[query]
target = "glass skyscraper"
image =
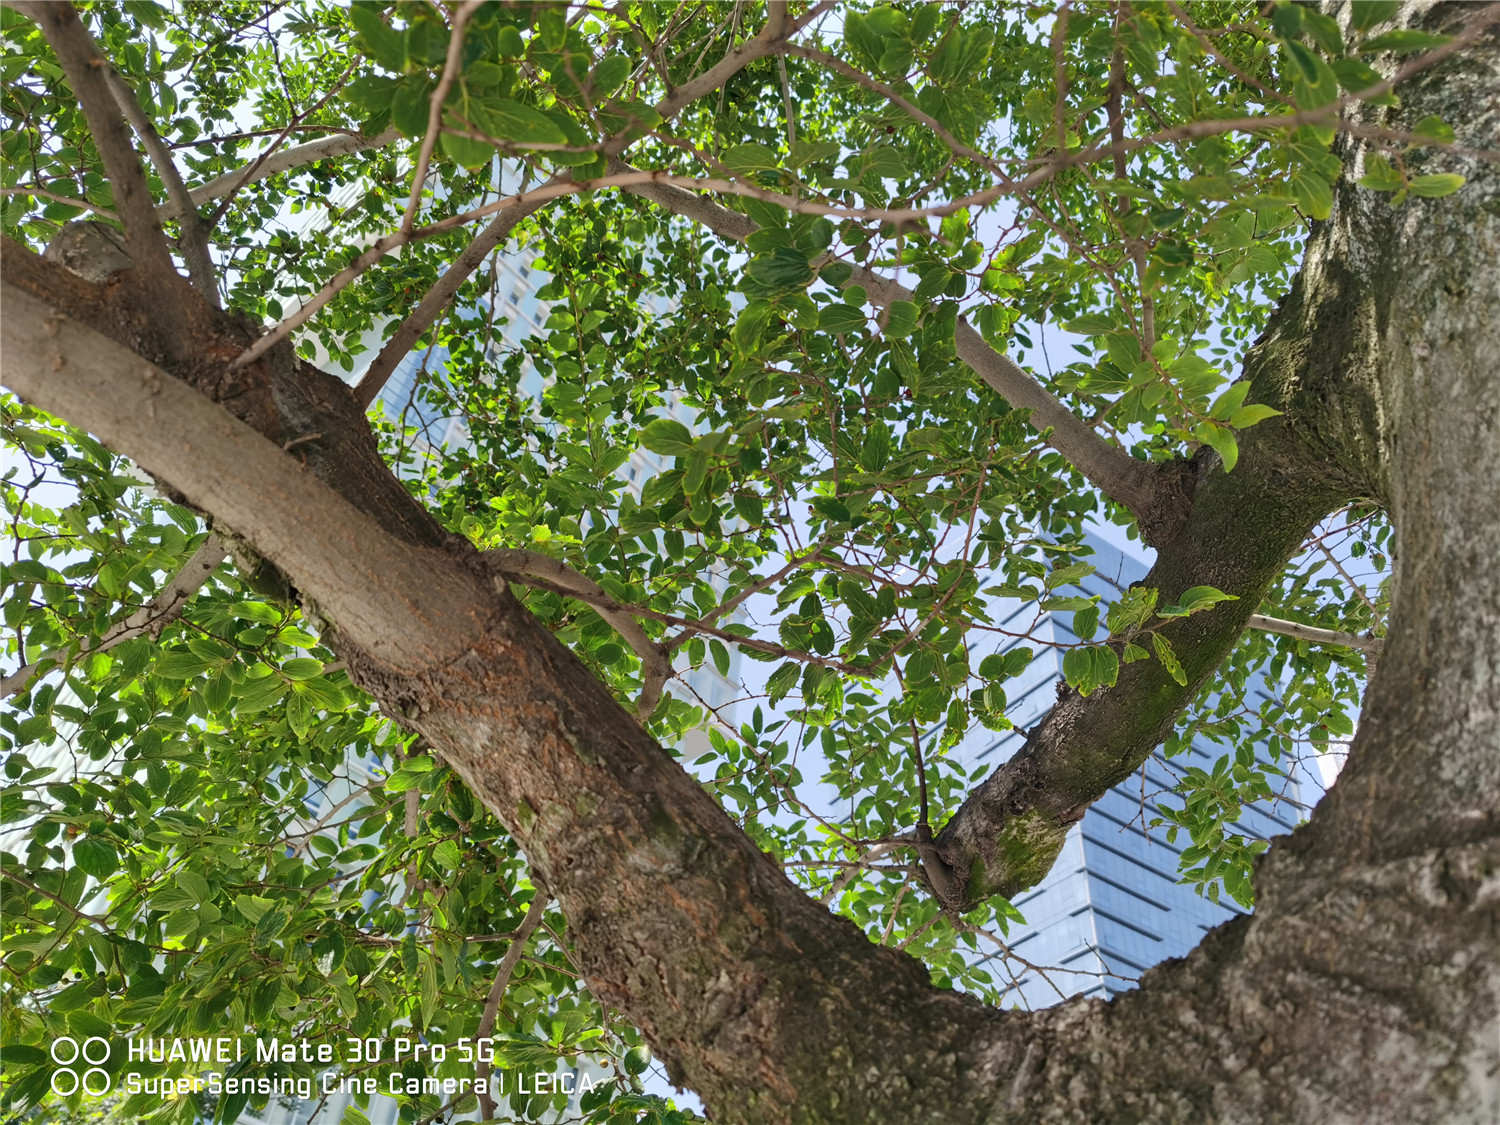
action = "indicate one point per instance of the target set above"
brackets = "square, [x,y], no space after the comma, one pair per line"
[1112,905]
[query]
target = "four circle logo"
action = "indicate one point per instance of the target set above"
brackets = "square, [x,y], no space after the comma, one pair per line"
[93,1051]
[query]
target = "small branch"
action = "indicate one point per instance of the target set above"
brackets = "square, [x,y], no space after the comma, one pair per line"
[729,605]
[1135,247]
[437,298]
[1116,474]
[43,193]
[491,1013]
[452,65]
[1059,48]
[194,240]
[149,620]
[63,903]
[786,101]
[300,156]
[305,838]
[518,565]
[335,285]
[854,869]
[1312,633]
[249,174]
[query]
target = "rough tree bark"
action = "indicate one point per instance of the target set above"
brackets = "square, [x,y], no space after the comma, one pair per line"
[1365,988]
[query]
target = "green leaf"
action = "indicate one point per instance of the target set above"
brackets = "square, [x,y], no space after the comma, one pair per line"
[1313,193]
[302,668]
[508,120]
[512,46]
[782,681]
[1091,325]
[217,692]
[1436,185]
[405,778]
[95,856]
[179,665]
[839,317]
[1323,30]
[1090,668]
[610,73]
[466,151]
[1164,653]
[252,907]
[1247,416]
[667,436]
[1365,14]
[750,509]
[783,268]
[1404,40]
[1380,175]
[901,319]
[749,157]
[1434,127]
[193,885]
[1194,599]
[387,46]
[1133,609]
[875,452]
[1355,75]
[1221,440]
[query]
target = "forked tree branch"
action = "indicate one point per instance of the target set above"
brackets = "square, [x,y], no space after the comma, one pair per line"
[521,566]
[85,70]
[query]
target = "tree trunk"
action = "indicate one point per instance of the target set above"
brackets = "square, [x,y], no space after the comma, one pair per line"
[1365,988]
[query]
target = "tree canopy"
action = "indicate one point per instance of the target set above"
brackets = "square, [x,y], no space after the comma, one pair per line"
[892,304]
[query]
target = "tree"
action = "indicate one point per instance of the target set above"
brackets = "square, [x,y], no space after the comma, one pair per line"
[855,219]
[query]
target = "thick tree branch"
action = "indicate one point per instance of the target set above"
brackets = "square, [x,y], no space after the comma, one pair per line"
[194,240]
[149,620]
[177,433]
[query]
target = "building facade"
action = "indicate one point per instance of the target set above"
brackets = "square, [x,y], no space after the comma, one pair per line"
[1112,905]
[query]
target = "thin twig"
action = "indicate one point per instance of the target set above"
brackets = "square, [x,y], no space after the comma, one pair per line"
[149,620]
[452,64]
[503,972]
[656,669]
